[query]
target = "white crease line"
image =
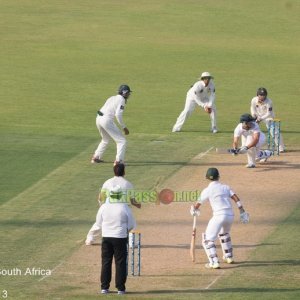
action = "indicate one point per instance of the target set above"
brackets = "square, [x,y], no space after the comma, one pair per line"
[200,155]
[214,281]
[51,271]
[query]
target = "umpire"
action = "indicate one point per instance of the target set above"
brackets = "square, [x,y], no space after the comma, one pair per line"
[115,220]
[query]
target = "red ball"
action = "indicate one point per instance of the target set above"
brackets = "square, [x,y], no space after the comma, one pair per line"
[166,196]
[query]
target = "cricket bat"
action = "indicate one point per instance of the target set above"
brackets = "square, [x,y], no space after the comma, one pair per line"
[193,241]
[226,151]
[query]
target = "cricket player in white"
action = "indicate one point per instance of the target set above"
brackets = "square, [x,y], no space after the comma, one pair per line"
[118,186]
[219,196]
[202,93]
[113,108]
[262,110]
[252,140]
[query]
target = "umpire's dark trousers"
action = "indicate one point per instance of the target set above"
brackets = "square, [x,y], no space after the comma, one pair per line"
[114,248]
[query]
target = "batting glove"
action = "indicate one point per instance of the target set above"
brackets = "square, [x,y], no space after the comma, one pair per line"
[194,211]
[243,150]
[244,217]
[233,151]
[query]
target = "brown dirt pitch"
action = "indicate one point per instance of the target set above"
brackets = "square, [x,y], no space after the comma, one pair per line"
[268,192]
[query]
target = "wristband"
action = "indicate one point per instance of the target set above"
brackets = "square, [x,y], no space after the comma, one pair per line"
[239,204]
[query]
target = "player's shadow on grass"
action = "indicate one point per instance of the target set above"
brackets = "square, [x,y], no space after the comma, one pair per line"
[43,223]
[187,246]
[194,162]
[205,131]
[277,165]
[271,263]
[224,290]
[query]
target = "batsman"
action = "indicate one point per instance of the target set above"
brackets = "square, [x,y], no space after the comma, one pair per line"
[219,196]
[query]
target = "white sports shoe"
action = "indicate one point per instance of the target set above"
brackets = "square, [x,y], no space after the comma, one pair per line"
[214,130]
[250,166]
[104,291]
[215,265]
[175,130]
[116,162]
[263,160]
[96,160]
[90,242]
[228,260]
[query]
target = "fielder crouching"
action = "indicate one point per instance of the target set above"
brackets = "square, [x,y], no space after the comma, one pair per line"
[219,225]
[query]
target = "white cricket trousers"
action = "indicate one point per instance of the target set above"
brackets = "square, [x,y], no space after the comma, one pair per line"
[252,152]
[218,224]
[189,107]
[109,130]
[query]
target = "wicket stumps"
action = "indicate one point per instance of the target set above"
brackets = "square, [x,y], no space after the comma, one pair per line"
[274,132]
[133,259]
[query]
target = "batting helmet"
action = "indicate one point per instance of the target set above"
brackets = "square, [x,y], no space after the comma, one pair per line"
[124,90]
[212,174]
[206,75]
[246,118]
[262,92]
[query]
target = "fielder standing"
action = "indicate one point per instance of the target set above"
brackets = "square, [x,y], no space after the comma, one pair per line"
[252,139]
[262,110]
[219,225]
[202,93]
[113,108]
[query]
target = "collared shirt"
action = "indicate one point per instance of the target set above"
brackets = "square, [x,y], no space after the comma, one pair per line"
[114,107]
[219,197]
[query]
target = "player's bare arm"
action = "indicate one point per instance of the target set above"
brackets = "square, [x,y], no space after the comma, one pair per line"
[235,142]
[238,202]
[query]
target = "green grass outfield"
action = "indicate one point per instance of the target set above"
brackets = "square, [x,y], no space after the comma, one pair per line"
[60,60]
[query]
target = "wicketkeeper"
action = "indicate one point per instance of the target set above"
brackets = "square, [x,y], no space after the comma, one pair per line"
[263,111]
[219,225]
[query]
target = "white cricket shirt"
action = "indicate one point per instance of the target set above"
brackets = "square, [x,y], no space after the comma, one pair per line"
[203,95]
[219,197]
[114,107]
[239,131]
[262,110]
[120,183]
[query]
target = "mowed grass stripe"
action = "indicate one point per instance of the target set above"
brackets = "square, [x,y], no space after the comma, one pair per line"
[45,223]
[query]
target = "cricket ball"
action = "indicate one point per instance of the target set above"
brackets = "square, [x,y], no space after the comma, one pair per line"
[166,196]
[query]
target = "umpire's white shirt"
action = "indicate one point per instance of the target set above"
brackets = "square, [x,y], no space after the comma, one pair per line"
[219,197]
[115,220]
